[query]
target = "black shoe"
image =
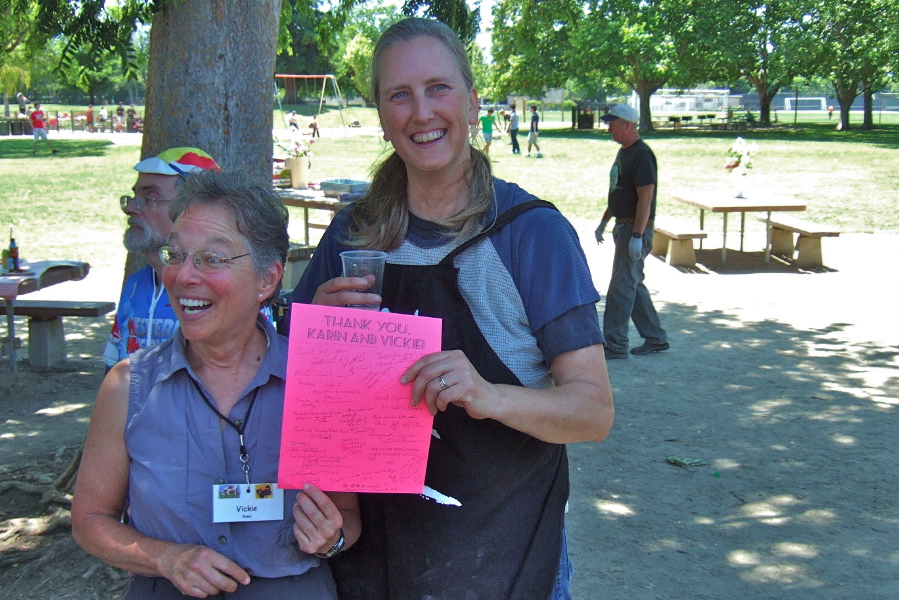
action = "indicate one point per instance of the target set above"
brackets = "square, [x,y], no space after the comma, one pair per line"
[612,355]
[649,348]
[55,151]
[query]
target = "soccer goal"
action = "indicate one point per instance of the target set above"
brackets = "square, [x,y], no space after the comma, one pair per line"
[815,103]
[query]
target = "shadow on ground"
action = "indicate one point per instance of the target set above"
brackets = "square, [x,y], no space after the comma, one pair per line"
[744,263]
[800,427]
[67,147]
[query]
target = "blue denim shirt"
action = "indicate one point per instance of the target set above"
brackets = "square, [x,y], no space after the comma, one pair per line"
[179,450]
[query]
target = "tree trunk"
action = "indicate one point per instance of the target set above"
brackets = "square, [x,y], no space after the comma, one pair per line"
[644,93]
[209,81]
[846,92]
[868,95]
[765,98]
[209,84]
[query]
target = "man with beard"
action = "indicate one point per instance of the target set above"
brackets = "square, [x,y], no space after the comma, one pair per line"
[144,316]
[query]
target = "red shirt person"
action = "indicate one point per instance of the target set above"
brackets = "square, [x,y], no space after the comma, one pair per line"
[37,124]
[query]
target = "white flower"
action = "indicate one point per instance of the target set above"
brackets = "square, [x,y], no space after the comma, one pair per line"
[292,148]
[740,155]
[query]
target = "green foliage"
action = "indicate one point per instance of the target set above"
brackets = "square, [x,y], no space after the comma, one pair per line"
[856,46]
[482,71]
[299,46]
[357,59]
[13,79]
[455,13]
[529,42]
[768,43]
[354,43]
[90,23]
[17,27]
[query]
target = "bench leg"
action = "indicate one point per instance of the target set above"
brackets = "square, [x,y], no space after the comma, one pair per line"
[809,252]
[681,253]
[659,243]
[782,242]
[46,342]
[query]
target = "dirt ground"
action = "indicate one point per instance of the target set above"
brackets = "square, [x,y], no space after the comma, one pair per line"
[786,383]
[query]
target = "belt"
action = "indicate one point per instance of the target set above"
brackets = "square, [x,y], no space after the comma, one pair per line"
[619,220]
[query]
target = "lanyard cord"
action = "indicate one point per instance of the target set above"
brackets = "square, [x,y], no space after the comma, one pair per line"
[244,458]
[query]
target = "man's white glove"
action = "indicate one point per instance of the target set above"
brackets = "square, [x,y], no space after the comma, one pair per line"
[600,230]
[635,249]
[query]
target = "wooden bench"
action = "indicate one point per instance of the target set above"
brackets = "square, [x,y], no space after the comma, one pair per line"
[675,241]
[46,336]
[808,243]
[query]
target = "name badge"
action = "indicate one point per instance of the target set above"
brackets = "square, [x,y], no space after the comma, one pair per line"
[232,502]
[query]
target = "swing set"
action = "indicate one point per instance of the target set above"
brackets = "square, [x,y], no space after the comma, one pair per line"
[290,88]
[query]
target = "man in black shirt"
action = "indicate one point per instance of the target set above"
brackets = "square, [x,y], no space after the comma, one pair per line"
[632,203]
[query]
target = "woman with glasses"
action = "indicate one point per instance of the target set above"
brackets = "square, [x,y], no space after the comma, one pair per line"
[185,436]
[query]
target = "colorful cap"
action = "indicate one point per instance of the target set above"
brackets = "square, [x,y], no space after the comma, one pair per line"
[177,161]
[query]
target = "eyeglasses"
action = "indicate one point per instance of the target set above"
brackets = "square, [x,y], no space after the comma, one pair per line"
[206,260]
[141,201]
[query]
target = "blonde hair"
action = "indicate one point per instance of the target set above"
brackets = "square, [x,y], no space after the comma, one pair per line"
[380,219]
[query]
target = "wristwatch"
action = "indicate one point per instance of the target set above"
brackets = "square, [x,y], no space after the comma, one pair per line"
[337,547]
[636,235]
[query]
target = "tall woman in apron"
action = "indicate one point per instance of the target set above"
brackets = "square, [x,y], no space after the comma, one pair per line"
[521,372]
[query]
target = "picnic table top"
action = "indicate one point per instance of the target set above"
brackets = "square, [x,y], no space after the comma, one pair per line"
[720,202]
[41,274]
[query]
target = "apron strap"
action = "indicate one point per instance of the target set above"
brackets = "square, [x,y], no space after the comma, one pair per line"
[500,222]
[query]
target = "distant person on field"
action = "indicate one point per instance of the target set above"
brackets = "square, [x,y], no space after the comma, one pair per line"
[145,316]
[830,111]
[488,121]
[513,131]
[534,133]
[632,202]
[23,103]
[292,120]
[37,124]
[313,125]
[131,118]
[89,118]
[104,116]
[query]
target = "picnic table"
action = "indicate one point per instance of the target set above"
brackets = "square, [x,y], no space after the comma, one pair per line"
[310,200]
[35,276]
[719,202]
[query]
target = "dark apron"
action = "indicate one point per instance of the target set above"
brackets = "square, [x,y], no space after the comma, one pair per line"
[504,542]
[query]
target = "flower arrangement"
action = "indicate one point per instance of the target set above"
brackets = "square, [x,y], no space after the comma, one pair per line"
[740,154]
[292,148]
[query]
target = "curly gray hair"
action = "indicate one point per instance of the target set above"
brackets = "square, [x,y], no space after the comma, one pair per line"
[261,216]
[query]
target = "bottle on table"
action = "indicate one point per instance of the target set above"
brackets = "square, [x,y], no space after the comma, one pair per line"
[13,261]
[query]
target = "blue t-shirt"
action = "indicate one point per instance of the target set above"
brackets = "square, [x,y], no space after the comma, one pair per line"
[144,317]
[528,285]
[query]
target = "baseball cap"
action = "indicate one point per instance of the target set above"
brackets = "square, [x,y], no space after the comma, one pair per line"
[622,111]
[177,161]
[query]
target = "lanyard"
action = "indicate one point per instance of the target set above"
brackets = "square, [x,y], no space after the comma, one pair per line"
[236,425]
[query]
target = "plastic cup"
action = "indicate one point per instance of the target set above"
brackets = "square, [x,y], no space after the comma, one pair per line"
[359,263]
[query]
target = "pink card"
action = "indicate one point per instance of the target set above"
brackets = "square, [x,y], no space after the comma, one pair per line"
[348,422]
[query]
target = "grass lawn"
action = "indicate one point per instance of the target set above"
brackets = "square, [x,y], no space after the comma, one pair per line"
[66,205]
